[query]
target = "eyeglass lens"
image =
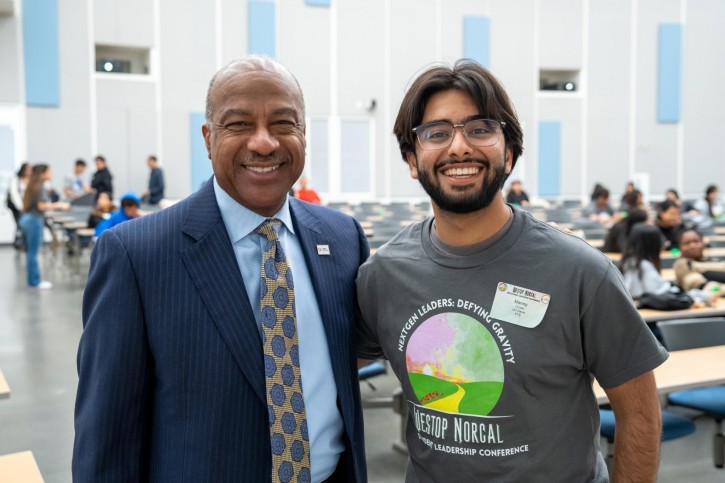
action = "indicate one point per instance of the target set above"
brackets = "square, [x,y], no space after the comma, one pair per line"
[438,135]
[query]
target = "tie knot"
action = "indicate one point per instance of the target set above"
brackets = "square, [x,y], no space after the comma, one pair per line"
[269,228]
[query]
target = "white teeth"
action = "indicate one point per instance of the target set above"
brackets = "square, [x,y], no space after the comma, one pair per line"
[470,171]
[262,169]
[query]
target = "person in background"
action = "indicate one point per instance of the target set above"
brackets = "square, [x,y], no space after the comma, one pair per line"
[75,186]
[306,193]
[711,205]
[641,266]
[632,201]
[696,271]
[616,239]
[599,208]
[516,195]
[641,262]
[16,191]
[102,211]
[155,192]
[102,181]
[685,206]
[130,204]
[35,203]
[669,223]
[625,201]
[483,291]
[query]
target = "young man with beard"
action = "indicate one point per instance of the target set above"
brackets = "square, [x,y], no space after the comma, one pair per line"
[496,323]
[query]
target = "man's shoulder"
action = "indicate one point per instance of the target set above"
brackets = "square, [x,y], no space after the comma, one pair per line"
[548,241]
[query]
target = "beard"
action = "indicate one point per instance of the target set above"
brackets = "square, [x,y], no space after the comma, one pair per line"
[466,200]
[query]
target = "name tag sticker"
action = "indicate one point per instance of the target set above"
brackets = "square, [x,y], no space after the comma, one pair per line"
[519,306]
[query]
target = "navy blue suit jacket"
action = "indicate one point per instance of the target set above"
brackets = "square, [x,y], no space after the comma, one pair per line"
[171,374]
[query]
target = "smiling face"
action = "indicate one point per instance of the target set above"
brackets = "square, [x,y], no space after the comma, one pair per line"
[256,136]
[460,178]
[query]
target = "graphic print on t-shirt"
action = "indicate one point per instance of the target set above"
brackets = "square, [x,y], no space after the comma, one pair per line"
[454,365]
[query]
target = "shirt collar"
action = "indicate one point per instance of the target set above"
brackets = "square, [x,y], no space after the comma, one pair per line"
[240,220]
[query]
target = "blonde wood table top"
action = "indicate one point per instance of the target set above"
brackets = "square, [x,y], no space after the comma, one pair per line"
[686,369]
[716,252]
[4,388]
[650,315]
[19,468]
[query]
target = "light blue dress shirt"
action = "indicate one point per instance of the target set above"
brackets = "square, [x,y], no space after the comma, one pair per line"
[324,421]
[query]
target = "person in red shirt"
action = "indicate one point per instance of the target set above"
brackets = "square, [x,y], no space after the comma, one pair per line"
[305,193]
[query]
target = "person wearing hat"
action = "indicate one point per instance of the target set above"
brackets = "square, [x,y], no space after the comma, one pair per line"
[130,203]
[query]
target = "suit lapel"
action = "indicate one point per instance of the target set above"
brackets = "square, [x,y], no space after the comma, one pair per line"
[213,267]
[324,272]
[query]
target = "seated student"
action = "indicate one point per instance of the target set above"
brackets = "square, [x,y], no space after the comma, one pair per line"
[685,206]
[599,208]
[616,239]
[516,195]
[102,211]
[641,267]
[633,200]
[670,223]
[693,269]
[641,264]
[711,205]
[130,203]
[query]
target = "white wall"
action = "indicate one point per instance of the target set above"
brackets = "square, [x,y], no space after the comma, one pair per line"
[359,50]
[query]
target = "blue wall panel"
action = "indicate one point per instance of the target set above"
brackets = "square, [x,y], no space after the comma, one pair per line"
[475,38]
[40,45]
[669,72]
[549,158]
[262,31]
[201,168]
[318,3]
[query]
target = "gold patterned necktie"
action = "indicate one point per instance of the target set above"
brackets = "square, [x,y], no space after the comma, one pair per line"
[287,418]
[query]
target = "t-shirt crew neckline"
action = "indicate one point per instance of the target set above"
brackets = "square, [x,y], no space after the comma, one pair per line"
[473,255]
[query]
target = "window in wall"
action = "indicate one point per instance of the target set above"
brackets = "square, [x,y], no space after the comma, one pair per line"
[475,38]
[319,162]
[559,80]
[355,162]
[261,25]
[122,60]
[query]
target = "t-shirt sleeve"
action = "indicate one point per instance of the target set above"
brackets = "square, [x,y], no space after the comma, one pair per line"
[368,344]
[618,345]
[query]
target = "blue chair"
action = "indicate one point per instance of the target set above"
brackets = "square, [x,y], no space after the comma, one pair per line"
[673,426]
[373,369]
[691,334]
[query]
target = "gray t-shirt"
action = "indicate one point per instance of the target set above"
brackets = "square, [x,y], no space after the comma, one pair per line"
[496,350]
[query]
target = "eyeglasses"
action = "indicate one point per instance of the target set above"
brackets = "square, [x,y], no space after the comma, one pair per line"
[439,134]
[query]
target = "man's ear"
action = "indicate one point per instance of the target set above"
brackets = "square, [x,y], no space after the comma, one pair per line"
[509,160]
[412,164]
[206,132]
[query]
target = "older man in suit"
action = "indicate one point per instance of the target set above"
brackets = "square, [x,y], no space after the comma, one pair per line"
[218,341]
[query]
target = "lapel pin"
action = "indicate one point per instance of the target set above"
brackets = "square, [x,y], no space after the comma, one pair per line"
[323,249]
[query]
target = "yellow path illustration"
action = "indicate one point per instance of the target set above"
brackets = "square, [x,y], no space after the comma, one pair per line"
[449,403]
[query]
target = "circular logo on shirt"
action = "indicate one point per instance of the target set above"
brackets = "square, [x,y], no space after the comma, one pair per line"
[454,365]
